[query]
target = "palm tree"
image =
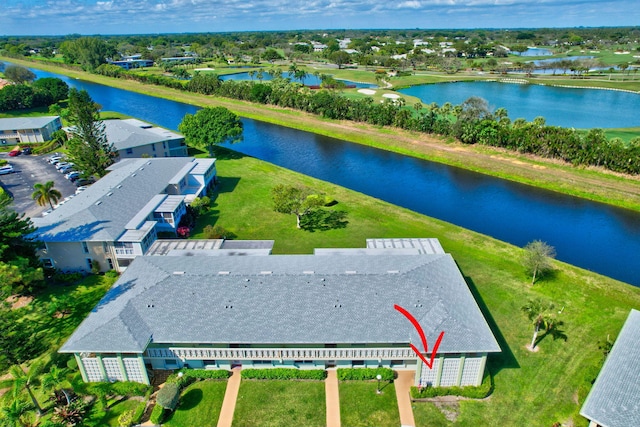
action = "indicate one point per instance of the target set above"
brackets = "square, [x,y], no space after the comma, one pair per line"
[23,380]
[539,313]
[46,193]
[12,414]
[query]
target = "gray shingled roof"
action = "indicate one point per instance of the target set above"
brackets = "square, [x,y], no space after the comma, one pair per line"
[20,123]
[102,211]
[614,399]
[294,299]
[132,133]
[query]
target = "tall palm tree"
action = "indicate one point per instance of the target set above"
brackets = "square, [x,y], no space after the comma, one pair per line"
[12,413]
[46,193]
[20,380]
[539,313]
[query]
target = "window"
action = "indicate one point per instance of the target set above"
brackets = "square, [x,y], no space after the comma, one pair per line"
[105,247]
[85,248]
[110,262]
[129,150]
[89,261]
[47,263]
[153,147]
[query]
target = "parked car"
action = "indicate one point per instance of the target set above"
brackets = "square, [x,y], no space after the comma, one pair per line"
[60,165]
[6,169]
[26,151]
[54,156]
[14,152]
[83,182]
[67,168]
[56,160]
[72,176]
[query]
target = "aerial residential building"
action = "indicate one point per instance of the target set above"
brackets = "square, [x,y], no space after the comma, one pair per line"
[135,138]
[218,309]
[121,215]
[20,130]
[614,399]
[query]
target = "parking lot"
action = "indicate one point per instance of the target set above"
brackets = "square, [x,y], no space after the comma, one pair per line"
[29,170]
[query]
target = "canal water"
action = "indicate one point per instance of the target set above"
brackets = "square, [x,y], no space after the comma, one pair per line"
[560,106]
[594,236]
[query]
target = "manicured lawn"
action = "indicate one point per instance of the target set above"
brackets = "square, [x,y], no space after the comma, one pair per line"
[111,418]
[426,414]
[280,403]
[200,405]
[361,406]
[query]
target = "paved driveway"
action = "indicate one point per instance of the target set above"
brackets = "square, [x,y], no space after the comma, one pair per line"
[30,170]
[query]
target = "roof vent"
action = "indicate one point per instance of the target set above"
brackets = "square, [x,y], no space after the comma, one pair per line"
[307,272]
[119,186]
[178,273]
[109,193]
[393,271]
[133,174]
[350,272]
[224,273]
[266,272]
[149,162]
[99,202]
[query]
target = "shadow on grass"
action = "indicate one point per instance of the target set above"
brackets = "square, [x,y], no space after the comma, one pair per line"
[226,184]
[323,220]
[190,399]
[499,361]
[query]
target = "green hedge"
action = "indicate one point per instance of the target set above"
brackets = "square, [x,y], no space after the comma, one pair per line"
[473,392]
[168,396]
[129,388]
[158,415]
[284,374]
[191,375]
[361,374]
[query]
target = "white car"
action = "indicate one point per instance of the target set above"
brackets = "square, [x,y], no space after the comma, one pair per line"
[4,170]
[55,159]
[60,165]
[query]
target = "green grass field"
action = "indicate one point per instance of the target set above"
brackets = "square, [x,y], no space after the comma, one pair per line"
[279,403]
[361,406]
[200,405]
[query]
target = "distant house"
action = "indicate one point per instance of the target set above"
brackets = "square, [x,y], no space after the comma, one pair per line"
[614,399]
[218,309]
[119,217]
[129,63]
[135,138]
[20,130]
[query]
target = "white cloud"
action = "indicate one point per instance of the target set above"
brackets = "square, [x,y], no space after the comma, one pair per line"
[139,16]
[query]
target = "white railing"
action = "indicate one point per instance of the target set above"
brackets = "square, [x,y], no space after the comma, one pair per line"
[282,353]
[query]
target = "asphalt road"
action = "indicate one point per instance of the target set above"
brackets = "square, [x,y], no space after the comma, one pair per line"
[30,170]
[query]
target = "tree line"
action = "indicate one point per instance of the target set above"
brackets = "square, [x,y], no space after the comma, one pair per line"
[26,93]
[471,122]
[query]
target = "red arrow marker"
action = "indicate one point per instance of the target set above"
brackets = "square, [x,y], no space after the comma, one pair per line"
[416,325]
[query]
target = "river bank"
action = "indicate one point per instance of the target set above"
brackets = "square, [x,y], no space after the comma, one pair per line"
[589,183]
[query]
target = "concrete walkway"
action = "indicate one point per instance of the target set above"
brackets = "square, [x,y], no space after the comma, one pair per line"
[230,397]
[333,398]
[403,386]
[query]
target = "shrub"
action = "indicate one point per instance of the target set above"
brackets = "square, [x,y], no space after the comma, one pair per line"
[200,205]
[95,266]
[284,374]
[126,419]
[67,278]
[158,414]
[168,396]
[363,374]
[215,232]
[129,388]
[112,274]
[472,392]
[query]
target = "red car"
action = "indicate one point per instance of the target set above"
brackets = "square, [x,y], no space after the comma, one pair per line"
[15,152]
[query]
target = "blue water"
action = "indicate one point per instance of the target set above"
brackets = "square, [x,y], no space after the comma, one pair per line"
[535,51]
[587,234]
[560,106]
[310,80]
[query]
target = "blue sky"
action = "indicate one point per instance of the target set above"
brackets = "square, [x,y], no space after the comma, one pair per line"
[34,17]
